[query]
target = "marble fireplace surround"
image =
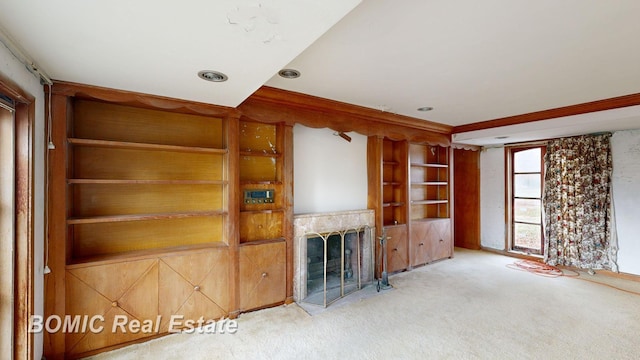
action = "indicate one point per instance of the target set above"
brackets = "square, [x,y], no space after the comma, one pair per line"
[308,224]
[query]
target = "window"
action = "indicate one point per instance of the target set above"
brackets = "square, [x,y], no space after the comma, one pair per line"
[526,179]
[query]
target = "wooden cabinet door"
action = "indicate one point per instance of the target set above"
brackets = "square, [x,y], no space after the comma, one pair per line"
[439,233]
[397,249]
[193,286]
[123,290]
[420,242]
[262,275]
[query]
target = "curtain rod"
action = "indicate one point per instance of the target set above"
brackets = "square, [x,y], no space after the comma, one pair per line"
[24,59]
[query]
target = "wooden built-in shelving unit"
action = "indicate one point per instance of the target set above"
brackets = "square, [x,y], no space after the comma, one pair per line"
[147,214]
[409,188]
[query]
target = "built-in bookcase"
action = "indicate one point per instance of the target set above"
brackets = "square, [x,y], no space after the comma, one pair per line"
[263,214]
[142,179]
[429,174]
[261,218]
[394,184]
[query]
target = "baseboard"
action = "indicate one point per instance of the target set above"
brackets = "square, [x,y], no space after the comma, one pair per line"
[619,275]
[512,254]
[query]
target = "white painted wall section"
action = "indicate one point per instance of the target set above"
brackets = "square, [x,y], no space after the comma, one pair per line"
[492,186]
[625,148]
[330,174]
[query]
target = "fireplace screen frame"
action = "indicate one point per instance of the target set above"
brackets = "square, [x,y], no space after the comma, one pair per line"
[361,236]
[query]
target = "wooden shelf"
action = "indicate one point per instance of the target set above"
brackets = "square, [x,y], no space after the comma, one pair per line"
[271,211]
[393,204]
[391,183]
[438,183]
[143,146]
[83,262]
[147,182]
[430,165]
[428,202]
[258,153]
[260,242]
[140,217]
[259,182]
[391,163]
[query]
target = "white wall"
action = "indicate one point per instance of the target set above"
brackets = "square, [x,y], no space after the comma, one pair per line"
[625,147]
[492,211]
[329,173]
[13,69]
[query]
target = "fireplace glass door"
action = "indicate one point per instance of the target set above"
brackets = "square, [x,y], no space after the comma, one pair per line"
[333,266]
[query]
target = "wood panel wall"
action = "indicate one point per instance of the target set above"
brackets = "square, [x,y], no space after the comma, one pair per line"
[466,172]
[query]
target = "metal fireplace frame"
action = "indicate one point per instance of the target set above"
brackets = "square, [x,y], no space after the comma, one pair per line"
[360,236]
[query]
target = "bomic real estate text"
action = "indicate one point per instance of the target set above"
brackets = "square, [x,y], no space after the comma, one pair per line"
[123,324]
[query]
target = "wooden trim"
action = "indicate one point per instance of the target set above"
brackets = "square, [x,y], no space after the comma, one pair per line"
[23,288]
[274,106]
[465,147]
[143,146]
[11,89]
[147,101]
[374,191]
[143,254]
[287,180]
[54,283]
[507,199]
[24,226]
[583,108]
[233,208]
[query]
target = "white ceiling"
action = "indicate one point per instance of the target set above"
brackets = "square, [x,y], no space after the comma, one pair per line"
[470,60]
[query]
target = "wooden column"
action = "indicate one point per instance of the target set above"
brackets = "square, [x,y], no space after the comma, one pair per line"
[233,208]
[287,181]
[54,283]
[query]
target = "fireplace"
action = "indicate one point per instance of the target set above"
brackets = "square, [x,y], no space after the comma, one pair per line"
[333,255]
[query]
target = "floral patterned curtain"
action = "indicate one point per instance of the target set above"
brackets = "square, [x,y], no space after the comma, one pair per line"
[577,203]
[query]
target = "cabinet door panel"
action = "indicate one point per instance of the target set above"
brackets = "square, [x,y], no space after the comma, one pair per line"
[420,242]
[440,236]
[397,249]
[127,290]
[194,285]
[262,275]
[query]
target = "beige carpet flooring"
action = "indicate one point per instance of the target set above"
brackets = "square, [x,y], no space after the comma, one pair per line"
[470,307]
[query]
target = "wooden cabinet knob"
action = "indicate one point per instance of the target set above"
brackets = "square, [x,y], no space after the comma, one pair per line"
[441,240]
[196,288]
[395,249]
[421,244]
[114,304]
[264,274]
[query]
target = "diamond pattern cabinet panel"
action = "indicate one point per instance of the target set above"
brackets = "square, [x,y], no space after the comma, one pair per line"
[441,242]
[262,275]
[128,290]
[420,242]
[397,250]
[194,286]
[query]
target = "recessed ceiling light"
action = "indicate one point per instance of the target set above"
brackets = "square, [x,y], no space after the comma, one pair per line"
[289,73]
[425,108]
[211,75]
